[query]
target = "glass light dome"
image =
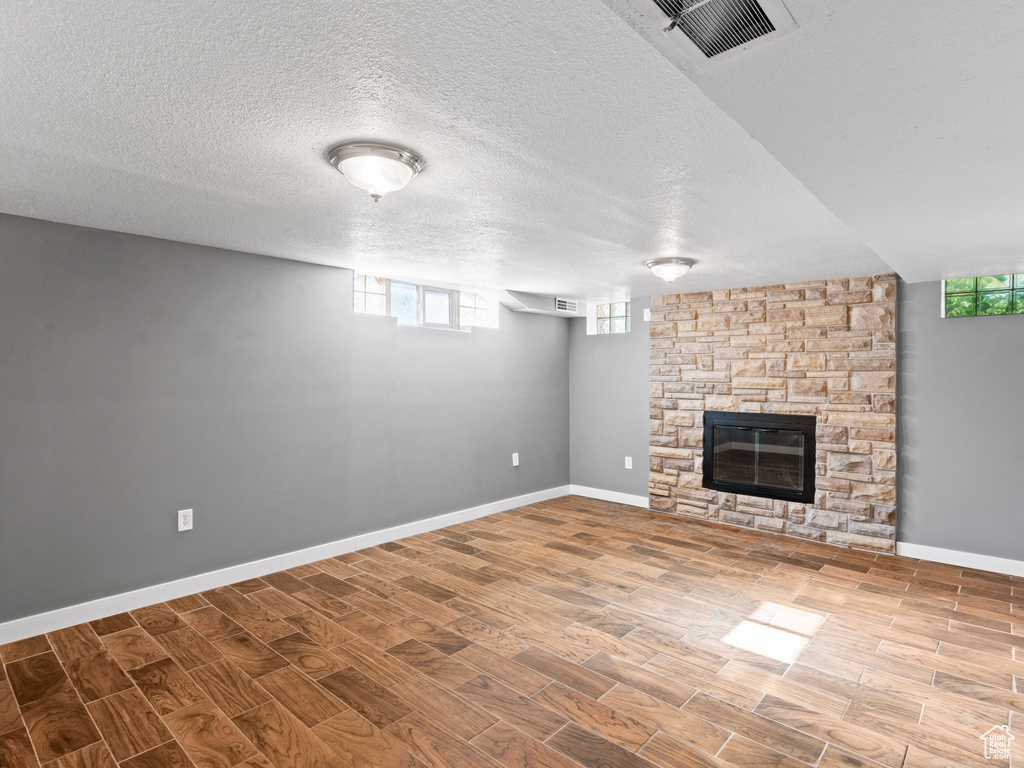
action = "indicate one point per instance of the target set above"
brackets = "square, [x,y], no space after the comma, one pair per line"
[375,167]
[669,269]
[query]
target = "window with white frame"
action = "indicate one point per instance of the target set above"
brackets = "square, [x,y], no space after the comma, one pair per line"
[422,305]
[612,317]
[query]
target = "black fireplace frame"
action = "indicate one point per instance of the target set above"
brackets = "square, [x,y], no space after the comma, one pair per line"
[764,421]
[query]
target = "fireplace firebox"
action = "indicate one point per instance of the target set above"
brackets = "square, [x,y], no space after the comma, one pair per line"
[760,454]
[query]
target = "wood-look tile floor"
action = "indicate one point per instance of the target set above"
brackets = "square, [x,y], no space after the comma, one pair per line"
[569,633]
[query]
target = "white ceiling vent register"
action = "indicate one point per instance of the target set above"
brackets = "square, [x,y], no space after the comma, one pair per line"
[519,301]
[709,31]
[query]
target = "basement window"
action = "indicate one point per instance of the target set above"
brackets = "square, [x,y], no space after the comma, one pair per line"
[981,296]
[475,309]
[421,305]
[370,295]
[613,317]
[437,307]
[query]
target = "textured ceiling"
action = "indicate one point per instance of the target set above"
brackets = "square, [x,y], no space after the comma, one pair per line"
[562,149]
[904,118]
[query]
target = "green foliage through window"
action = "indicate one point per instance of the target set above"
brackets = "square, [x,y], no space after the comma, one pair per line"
[978,296]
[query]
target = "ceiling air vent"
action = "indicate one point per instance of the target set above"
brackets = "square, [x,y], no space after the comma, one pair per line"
[518,301]
[709,31]
[717,26]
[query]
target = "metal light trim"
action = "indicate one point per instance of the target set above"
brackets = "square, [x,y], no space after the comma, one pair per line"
[376,149]
[670,268]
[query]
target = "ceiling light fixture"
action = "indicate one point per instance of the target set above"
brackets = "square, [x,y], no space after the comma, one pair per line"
[376,167]
[669,269]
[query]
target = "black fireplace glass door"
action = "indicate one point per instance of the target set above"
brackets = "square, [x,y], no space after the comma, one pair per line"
[736,455]
[754,456]
[780,459]
[771,455]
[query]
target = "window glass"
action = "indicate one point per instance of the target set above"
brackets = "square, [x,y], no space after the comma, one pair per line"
[485,313]
[405,303]
[474,310]
[414,304]
[965,305]
[437,307]
[368,295]
[994,303]
[963,285]
[995,282]
[467,309]
[982,296]
[612,317]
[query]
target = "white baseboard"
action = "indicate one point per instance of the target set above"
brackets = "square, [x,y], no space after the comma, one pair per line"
[615,496]
[964,559]
[129,601]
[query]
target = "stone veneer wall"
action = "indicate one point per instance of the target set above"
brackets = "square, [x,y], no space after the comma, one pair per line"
[823,347]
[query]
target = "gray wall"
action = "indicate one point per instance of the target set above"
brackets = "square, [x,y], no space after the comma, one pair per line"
[139,377]
[961,426]
[609,406]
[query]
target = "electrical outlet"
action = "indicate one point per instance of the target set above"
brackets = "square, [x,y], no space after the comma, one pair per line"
[184,520]
[629,462]
[515,459]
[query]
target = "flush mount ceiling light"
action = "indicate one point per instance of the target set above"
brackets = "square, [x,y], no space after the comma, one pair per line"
[669,269]
[376,167]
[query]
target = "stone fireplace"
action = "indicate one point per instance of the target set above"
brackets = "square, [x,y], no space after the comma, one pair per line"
[823,348]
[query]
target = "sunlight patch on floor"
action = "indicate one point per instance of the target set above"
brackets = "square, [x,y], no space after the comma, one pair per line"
[780,632]
[788,617]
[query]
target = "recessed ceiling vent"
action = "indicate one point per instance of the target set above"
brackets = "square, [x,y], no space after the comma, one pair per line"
[519,301]
[709,31]
[717,26]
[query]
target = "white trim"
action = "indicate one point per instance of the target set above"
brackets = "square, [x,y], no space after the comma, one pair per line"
[965,559]
[158,593]
[613,496]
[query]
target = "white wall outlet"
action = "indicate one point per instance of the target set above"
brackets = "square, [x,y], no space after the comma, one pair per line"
[629,462]
[184,520]
[647,315]
[515,459]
